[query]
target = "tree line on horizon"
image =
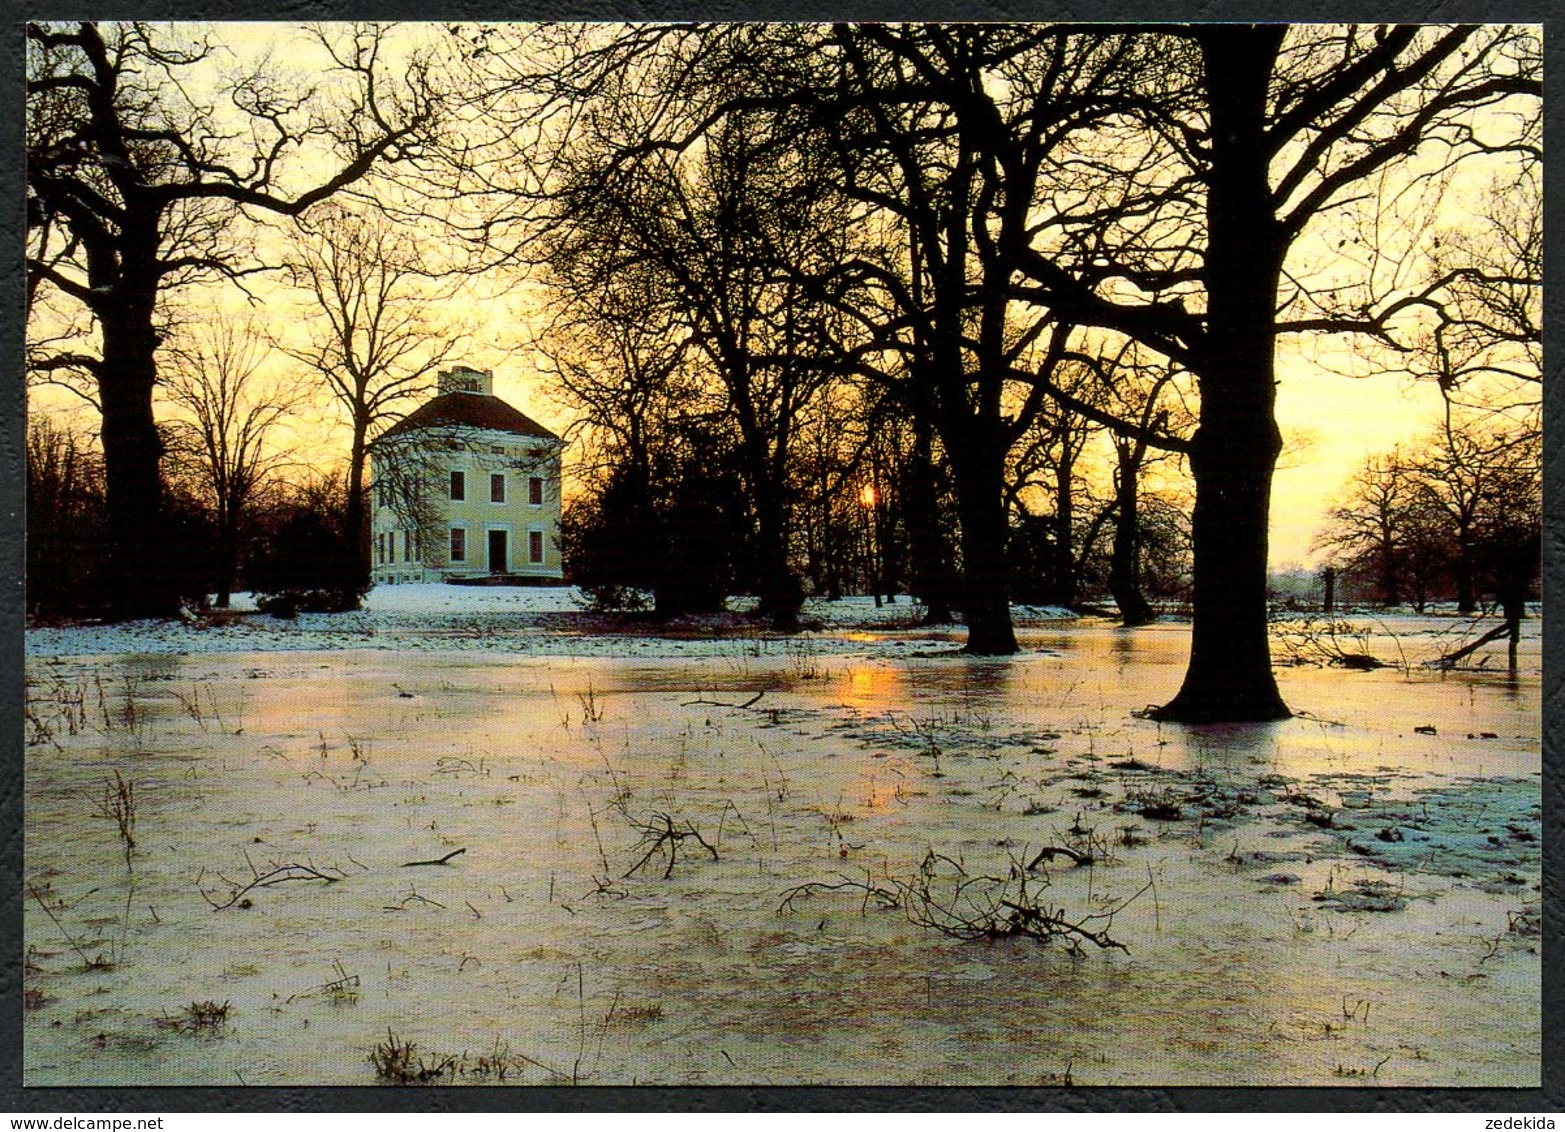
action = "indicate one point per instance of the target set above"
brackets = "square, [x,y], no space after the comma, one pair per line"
[793,268]
[1455,517]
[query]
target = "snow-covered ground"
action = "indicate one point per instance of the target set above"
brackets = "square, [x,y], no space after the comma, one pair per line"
[1347,897]
[548,620]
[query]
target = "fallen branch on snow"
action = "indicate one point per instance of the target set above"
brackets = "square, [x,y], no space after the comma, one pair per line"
[944,896]
[723,703]
[276,874]
[1450,659]
[1049,852]
[437,861]
[661,832]
[884,897]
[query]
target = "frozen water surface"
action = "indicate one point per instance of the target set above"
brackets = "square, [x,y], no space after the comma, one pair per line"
[1347,897]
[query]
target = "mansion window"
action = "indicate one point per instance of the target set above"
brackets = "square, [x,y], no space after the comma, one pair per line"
[497,487]
[458,544]
[535,546]
[535,490]
[458,486]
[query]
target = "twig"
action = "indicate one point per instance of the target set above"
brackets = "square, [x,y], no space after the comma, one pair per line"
[723,703]
[883,897]
[277,874]
[411,897]
[661,831]
[438,861]
[1049,852]
[70,939]
[344,984]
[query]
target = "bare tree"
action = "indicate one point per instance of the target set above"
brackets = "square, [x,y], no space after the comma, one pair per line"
[1161,183]
[710,234]
[836,488]
[370,340]
[1460,302]
[915,114]
[1051,460]
[850,128]
[1291,125]
[134,184]
[1509,531]
[1148,395]
[1369,529]
[1463,508]
[226,426]
[1475,478]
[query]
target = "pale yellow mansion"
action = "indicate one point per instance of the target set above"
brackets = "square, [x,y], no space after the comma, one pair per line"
[466,487]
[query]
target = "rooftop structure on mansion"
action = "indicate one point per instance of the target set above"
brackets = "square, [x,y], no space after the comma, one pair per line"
[466,400]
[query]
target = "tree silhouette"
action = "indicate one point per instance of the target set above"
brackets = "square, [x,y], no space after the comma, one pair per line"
[705,232]
[1289,125]
[370,340]
[228,414]
[134,185]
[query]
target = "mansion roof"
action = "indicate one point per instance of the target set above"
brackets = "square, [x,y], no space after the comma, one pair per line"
[469,410]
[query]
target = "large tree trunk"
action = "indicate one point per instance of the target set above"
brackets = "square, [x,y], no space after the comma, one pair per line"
[765,470]
[1063,583]
[227,554]
[781,593]
[934,582]
[137,581]
[1462,567]
[1513,602]
[1515,580]
[355,524]
[1390,574]
[985,585]
[1234,450]
[1125,559]
[1466,603]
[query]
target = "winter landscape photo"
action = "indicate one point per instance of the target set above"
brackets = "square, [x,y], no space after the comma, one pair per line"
[783,554]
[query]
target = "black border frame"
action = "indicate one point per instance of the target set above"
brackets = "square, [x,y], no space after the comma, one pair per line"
[611,1099]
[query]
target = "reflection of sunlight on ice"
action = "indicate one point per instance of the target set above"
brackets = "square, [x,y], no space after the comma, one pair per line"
[872,688]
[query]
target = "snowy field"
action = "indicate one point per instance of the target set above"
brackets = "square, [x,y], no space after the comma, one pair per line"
[440,617]
[542,847]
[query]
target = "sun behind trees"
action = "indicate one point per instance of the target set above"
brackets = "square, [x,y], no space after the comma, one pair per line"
[1018,198]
